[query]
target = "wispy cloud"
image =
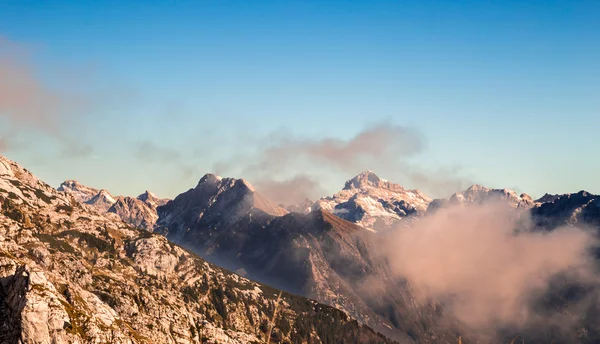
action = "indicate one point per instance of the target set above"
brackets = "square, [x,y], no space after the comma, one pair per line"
[278,167]
[27,102]
[151,153]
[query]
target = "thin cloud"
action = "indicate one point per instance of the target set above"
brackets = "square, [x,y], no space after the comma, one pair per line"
[24,98]
[150,153]
[290,191]
[29,103]
[383,148]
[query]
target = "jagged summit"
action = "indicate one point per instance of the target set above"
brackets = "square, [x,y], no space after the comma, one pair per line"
[548,198]
[480,194]
[152,200]
[71,183]
[210,178]
[373,202]
[102,201]
[80,192]
[147,195]
[19,186]
[568,209]
[365,179]
[216,202]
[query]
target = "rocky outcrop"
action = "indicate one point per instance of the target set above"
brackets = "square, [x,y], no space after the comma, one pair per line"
[102,201]
[135,212]
[80,192]
[33,307]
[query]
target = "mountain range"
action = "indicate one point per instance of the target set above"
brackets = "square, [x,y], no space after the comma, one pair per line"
[73,273]
[324,250]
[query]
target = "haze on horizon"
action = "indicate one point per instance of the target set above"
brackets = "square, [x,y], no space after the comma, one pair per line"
[433,95]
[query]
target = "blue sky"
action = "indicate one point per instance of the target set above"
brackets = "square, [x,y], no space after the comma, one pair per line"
[503,93]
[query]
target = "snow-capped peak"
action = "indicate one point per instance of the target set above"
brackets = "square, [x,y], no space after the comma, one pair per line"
[147,196]
[104,194]
[479,194]
[364,179]
[372,202]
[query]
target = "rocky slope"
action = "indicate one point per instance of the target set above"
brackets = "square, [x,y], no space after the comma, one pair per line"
[72,275]
[102,201]
[570,209]
[135,212]
[318,255]
[374,203]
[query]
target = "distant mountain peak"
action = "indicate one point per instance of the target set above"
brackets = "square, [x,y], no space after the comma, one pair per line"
[103,200]
[365,179]
[480,194]
[80,192]
[477,187]
[373,202]
[104,193]
[146,196]
[70,183]
[210,178]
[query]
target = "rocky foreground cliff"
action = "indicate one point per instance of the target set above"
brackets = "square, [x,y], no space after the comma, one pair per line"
[72,275]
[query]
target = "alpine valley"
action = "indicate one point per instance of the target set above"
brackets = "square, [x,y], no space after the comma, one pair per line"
[79,265]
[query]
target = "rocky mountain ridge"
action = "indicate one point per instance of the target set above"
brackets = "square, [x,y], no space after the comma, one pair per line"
[139,212]
[316,254]
[69,274]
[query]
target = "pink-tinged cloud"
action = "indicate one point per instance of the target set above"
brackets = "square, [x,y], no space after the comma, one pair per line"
[24,98]
[472,259]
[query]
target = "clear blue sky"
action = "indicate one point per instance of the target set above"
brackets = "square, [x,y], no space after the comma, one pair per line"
[507,91]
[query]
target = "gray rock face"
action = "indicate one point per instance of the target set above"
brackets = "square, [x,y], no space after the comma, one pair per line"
[135,212]
[36,313]
[72,275]
[570,209]
[214,204]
